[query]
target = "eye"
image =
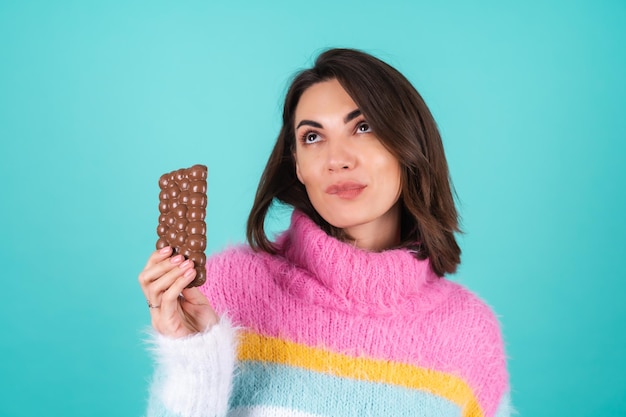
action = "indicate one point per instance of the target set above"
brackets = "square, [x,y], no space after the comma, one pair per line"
[310,137]
[363,127]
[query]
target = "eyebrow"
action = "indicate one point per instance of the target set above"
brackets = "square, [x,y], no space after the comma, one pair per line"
[353,114]
[350,116]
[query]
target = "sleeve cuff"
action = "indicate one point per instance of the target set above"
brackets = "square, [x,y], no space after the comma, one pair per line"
[193,376]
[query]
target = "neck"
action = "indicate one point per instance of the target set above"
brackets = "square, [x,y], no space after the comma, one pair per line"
[334,273]
[378,235]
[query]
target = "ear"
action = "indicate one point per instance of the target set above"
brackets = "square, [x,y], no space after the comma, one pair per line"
[298,174]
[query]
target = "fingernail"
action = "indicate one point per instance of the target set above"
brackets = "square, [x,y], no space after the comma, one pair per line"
[185,264]
[165,250]
[189,273]
[176,259]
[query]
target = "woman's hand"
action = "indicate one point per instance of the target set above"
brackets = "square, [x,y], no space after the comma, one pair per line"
[176,311]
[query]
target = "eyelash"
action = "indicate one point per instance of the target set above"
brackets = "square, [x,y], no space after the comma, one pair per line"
[363,122]
[306,134]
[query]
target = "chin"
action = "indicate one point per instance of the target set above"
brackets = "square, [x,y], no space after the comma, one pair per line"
[343,220]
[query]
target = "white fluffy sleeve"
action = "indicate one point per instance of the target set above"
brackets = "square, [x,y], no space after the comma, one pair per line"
[193,376]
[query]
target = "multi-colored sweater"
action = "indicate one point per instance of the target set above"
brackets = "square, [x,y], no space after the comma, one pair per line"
[327,329]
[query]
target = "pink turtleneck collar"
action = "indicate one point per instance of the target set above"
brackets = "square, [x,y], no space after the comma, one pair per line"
[339,275]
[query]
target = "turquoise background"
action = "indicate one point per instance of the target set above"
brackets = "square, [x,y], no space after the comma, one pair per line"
[97,99]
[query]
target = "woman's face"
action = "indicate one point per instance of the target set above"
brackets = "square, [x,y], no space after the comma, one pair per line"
[352,180]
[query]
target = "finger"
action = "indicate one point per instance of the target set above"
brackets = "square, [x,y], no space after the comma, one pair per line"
[169,298]
[155,289]
[156,271]
[157,256]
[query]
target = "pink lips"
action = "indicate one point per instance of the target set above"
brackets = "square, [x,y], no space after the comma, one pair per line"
[346,190]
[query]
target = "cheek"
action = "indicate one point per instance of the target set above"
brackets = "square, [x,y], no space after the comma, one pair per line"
[306,170]
[301,172]
[390,173]
[302,166]
[298,174]
[389,168]
[397,172]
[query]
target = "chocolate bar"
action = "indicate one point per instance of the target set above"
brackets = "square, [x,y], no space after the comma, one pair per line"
[182,204]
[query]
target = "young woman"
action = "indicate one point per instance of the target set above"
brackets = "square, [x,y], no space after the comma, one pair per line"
[347,313]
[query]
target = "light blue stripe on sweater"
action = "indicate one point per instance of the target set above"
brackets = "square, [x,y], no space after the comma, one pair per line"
[268,384]
[267,411]
[504,408]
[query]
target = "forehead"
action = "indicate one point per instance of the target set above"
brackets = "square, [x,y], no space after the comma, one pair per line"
[324,99]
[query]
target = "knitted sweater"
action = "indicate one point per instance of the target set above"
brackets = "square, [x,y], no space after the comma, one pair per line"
[327,329]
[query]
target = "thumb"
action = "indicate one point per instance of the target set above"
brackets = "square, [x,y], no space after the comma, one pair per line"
[198,309]
[194,296]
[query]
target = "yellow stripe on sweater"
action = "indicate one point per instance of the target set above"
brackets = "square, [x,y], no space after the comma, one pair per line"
[254,347]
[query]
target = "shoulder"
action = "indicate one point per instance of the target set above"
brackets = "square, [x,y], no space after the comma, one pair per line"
[467,325]
[235,273]
[468,307]
[232,257]
[471,332]
[236,262]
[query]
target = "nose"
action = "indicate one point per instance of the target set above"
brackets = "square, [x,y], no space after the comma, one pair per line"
[340,155]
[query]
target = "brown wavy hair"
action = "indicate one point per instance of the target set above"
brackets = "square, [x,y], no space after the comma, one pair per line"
[401,120]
